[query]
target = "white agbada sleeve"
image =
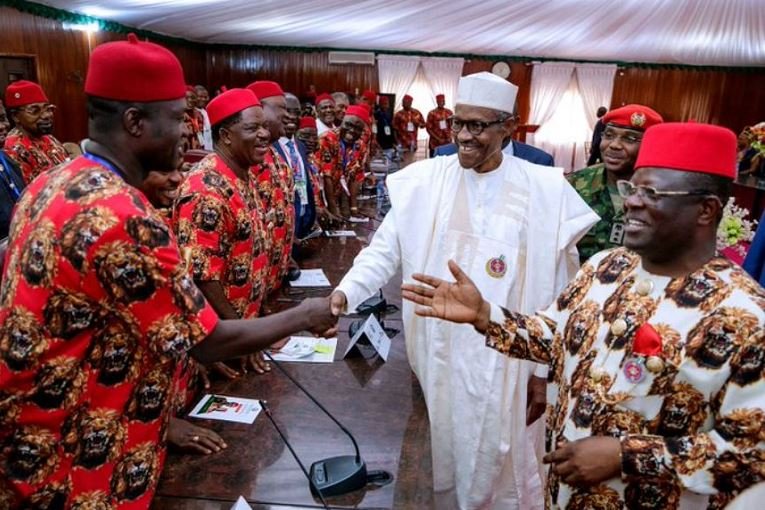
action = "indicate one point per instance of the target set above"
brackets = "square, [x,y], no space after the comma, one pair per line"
[374,266]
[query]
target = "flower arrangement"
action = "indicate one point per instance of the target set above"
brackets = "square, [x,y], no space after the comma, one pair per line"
[734,228]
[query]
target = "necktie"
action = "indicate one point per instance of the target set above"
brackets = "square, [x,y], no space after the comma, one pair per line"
[300,184]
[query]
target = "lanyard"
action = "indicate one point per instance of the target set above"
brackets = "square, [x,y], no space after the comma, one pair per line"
[104,162]
[5,165]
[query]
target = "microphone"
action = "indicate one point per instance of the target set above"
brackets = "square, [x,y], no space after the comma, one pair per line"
[335,475]
[267,410]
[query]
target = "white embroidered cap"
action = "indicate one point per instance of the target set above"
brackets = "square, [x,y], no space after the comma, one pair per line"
[487,90]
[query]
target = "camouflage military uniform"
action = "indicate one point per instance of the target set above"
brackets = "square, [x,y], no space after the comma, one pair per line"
[591,185]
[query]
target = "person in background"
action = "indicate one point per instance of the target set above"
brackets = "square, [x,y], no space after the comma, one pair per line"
[31,143]
[438,125]
[516,225]
[386,139]
[325,113]
[96,281]
[341,104]
[5,124]
[203,97]
[275,184]
[296,155]
[307,134]
[597,184]
[11,182]
[193,121]
[340,159]
[597,134]
[655,349]
[406,123]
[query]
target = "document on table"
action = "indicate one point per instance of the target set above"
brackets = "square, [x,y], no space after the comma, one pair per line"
[359,219]
[220,407]
[340,233]
[307,349]
[311,278]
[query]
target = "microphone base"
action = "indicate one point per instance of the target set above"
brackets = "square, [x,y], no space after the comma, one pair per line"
[338,475]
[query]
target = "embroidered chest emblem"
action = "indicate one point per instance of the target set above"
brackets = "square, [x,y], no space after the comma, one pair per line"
[496,267]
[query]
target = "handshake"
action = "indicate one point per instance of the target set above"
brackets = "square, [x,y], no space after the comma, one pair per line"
[321,314]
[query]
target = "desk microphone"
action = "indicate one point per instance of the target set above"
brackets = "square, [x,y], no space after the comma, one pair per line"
[335,475]
[314,490]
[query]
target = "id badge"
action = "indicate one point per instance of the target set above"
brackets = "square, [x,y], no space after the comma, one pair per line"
[617,233]
[442,124]
[387,130]
[410,127]
[374,128]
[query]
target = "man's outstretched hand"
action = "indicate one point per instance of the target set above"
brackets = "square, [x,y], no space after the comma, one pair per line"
[459,301]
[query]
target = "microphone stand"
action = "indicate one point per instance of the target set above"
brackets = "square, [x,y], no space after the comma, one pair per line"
[314,490]
[335,475]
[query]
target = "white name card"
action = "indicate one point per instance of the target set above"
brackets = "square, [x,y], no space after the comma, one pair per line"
[370,338]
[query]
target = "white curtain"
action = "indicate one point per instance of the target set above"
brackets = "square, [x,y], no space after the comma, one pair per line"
[549,82]
[396,74]
[443,74]
[596,85]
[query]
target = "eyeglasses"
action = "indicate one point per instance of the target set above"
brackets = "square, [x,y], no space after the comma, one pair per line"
[628,138]
[474,127]
[627,189]
[37,111]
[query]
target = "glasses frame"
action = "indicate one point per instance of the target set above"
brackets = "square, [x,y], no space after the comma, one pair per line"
[654,194]
[481,125]
[43,110]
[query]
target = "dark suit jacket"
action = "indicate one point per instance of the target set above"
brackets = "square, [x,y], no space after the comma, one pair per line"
[304,217]
[7,200]
[520,150]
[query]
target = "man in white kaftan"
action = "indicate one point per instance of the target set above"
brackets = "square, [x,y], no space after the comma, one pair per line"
[513,226]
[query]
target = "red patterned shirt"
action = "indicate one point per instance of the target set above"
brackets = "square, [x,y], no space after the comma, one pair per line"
[217,217]
[439,127]
[34,155]
[406,123]
[193,126]
[335,160]
[98,314]
[276,189]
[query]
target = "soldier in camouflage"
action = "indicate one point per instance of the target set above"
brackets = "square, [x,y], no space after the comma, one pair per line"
[597,184]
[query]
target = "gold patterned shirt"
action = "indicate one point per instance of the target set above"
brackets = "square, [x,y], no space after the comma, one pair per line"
[692,428]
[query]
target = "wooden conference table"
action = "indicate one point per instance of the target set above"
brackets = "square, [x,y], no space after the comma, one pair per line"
[380,403]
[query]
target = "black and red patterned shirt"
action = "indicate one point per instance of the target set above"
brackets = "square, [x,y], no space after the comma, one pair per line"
[34,155]
[276,188]
[692,425]
[217,216]
[336,159]
[97,315]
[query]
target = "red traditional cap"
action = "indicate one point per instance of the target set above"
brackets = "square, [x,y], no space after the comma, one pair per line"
[190,88]
[229,103]
[408,98]
[134,70]
[633,116]
[440,96]
[323,97]
[689,147]
[22,93]
[264,89]
[307,122]
[370,95]
[358,111]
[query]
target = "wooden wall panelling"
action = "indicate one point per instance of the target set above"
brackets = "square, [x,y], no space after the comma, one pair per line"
[236,67]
